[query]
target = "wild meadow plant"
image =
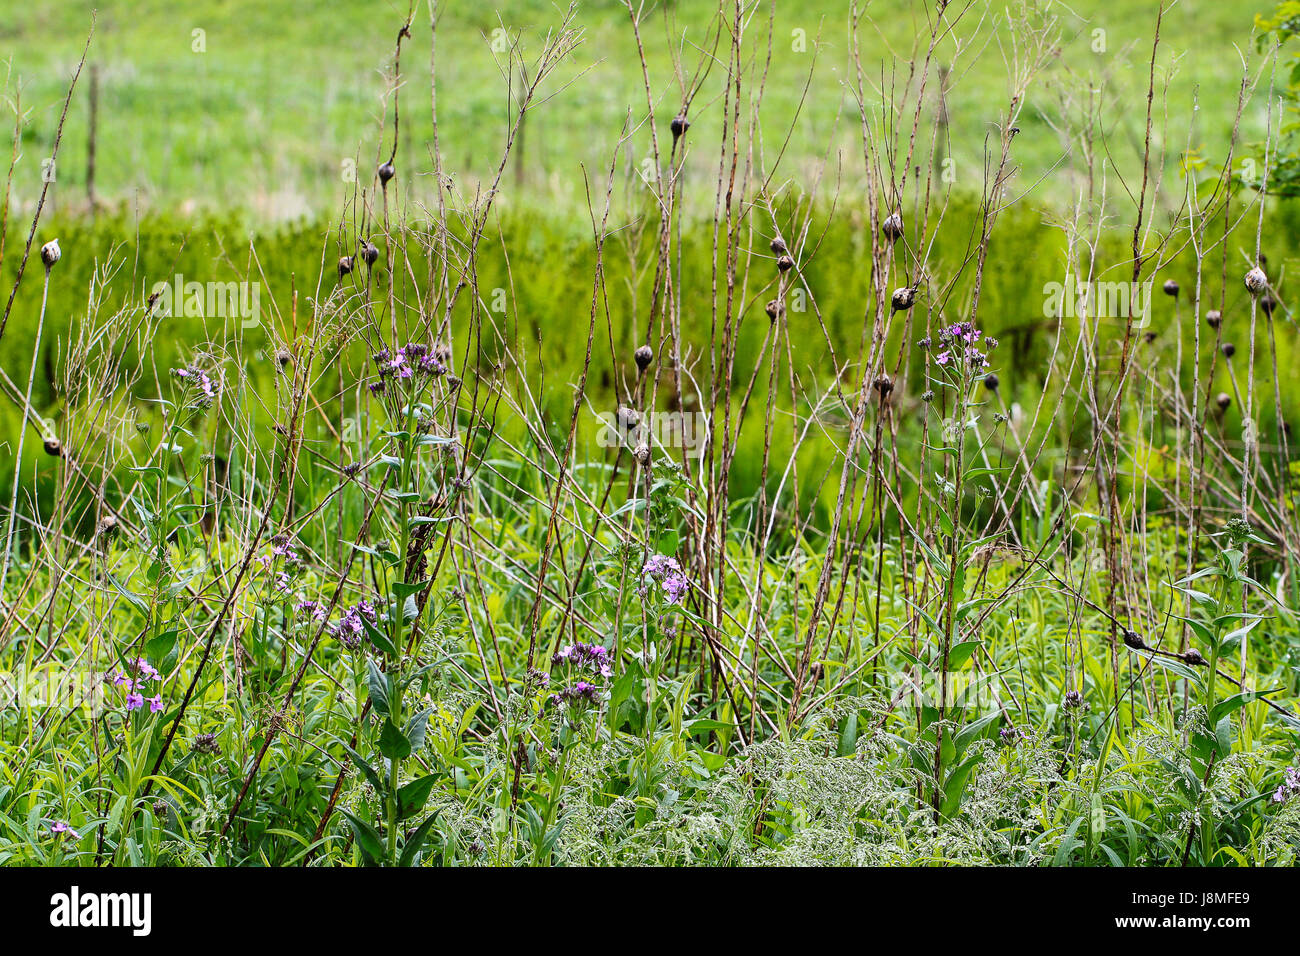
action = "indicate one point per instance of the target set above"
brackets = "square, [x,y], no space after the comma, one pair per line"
[350,583]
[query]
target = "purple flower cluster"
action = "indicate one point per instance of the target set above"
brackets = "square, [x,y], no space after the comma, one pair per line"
[959,342]
[1290,786]
[351,626]
[136,679]
[406,361]
[668,573]
[60,828]
[580,659]
[281,549]
[199,380]
[592,656]
[312,609]
[580,693]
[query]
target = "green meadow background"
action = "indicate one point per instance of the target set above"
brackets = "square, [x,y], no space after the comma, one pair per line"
[221,123]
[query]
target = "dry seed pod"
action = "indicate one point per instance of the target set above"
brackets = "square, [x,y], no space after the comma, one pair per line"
[679,125]
[1171,288]
[53,448]
[345,265]
[1223,401]
[1149,337]
[991,381]
[283,358]
[386,172]
[369,252]
[107,526]
[902,298]
[1214,318]
[628,418]
[784,264]
[774,309]
[1229,350]
[892,227]
[778,246]
[644,356]
[1193,656]
[50,253]
[1256,281]
[642,455]
[883,385]
[1267,304]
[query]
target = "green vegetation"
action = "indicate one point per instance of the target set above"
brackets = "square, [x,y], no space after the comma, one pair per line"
[263,122]
[718,505]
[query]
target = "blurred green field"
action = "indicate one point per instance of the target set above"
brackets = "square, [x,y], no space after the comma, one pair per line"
[264,121]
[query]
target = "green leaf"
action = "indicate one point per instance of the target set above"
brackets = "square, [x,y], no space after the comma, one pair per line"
[416,727]
[378,637]
[378,688]
[393,743]
[412,797]
[1225,707]
[368,770]
[368,841]
[848,736]
[412,845]
[960,653]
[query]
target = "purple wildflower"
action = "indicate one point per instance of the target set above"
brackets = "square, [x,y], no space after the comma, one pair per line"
[146,670]
[198,379]
[134,701]
[592,656]
[665,570]
[1290,786]
[351,627]
[310,608]
[60,827]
